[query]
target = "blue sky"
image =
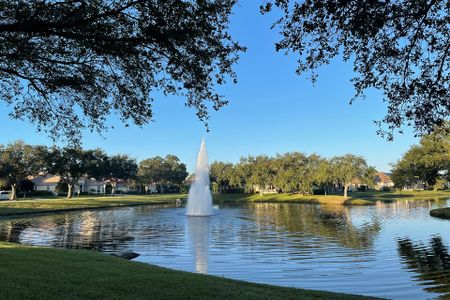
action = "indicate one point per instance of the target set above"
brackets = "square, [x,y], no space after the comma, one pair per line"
[271,110]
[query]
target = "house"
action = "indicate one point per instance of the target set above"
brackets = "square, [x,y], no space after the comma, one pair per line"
[383,181]
[49,182]
[91,186]
[45,182]
[124,186]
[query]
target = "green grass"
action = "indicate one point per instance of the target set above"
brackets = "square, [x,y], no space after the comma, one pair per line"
[398,195]
[355,198]
[443,213]
[8,208]
[45,273]
[292,198]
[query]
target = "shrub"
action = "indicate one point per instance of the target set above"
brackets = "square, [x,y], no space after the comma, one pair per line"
[386,189]
[62,188]
[40,194]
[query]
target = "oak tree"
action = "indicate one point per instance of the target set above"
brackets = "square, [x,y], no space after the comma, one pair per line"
[400,47]
[67,65]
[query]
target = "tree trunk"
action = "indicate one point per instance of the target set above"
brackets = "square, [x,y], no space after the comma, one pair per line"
[70,190]
[113,188]
[13,195]
[345,190]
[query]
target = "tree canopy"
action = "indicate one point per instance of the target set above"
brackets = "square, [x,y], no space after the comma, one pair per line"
[427,162]
[18,161]
[71,164]
[292,172]
[162,171]
[400,47]
[117,168]
[67,65]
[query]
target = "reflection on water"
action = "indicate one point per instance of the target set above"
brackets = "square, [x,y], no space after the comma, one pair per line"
[346,249]
[328,221]
[198,229]
[432,263]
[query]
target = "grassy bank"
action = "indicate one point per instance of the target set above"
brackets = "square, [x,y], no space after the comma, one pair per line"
[398,195]
[45,273]
[442,213]
[292,198]
[19,207]
[356,198]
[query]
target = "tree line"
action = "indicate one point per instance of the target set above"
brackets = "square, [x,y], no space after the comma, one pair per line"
[20,161]
[292,172]
[427,163]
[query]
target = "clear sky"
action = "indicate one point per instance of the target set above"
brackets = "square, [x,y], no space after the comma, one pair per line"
[271,110]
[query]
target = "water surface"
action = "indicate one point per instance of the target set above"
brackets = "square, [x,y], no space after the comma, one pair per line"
[394,250]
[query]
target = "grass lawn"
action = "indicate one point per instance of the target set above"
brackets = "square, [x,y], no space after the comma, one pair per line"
[296,198]
[355,198]
[397,195]
[57,204]
[443,213]
[45,273]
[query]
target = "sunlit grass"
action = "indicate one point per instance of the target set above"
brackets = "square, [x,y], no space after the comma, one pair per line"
[355,198]
[82,202]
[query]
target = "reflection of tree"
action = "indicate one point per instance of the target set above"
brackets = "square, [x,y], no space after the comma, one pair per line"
[432,263]
[100,230]
[92,230]
[332,222]
[11,232]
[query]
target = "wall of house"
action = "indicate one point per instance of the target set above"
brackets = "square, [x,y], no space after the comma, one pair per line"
[50,188]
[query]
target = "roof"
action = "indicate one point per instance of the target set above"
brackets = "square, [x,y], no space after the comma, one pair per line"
[48,179]
[382,177]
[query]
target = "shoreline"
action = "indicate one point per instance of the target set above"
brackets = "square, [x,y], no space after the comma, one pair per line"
[357,198]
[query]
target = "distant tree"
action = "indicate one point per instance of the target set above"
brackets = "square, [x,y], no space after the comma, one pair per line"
[176,171]
[349,167]
[18,161]
[262,172]
[162,171]
[289,171]
[323,176]
[221,173]
[426,162]
[310,170]
[151,170]
[399,47]
[66,65]
[71,164]
[118,168]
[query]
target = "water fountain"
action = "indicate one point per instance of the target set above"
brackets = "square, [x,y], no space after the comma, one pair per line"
[200,199]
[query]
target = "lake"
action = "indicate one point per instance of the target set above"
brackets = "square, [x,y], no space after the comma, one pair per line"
[393,249]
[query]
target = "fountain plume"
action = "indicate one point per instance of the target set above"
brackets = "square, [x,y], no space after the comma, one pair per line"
[200,199]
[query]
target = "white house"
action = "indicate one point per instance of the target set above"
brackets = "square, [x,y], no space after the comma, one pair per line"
[45,182]
[49,182]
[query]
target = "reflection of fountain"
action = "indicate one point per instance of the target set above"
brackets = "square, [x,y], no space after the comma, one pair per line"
[200,200]
[198,229]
